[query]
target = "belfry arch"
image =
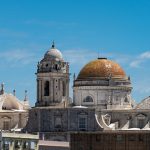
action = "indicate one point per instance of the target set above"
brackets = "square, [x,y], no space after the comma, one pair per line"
[46,88]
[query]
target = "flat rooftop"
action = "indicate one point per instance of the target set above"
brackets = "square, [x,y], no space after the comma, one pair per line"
[53,143]
[20,136]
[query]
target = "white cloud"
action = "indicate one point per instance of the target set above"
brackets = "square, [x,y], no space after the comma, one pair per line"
[76,57]
[141,58]
[80,57]
[145,55]
[135,63]
[16,57]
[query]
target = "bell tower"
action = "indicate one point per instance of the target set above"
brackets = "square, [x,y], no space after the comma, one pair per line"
[52,79]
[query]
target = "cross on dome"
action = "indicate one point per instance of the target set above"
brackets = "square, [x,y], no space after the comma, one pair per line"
[53,44]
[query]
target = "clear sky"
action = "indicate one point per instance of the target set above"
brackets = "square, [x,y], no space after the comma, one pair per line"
[117,29]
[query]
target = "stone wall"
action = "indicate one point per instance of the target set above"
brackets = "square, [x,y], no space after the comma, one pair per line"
[114,140]
[47,119]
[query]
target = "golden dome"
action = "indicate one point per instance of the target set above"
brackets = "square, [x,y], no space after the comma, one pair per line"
[101,68]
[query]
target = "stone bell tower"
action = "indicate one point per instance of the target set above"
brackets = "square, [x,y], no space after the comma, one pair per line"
[52,79]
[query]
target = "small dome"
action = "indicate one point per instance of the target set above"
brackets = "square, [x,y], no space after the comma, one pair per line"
[101,68]
[54,53]
[9,102]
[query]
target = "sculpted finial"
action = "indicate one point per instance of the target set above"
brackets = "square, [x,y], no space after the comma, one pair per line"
[129,78]
[14,92]
[25,99]
[74,77]
[2,88]
[53,44]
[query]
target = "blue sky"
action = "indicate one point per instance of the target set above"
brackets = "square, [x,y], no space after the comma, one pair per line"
[118,30]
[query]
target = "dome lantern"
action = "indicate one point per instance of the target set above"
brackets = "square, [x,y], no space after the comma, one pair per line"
[53,53]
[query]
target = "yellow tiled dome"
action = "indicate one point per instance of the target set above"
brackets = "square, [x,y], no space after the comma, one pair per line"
[101,68]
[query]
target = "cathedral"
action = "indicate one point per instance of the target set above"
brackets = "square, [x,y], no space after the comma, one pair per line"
[101,99]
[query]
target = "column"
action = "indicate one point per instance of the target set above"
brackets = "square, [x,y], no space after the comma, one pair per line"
[21,145]
[42,91]
[54,90]
[29,144]
[51,91]
[11,146]
[67,88]
[60,88]
[35,145]
[38,90]
[64,87]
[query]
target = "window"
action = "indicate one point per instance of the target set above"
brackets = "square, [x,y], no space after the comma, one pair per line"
[82,123]
[56,66]
[88,99]
[101,98]
[6,125]
[46,88]
[120,138]
[141,138]
[117,98]
[140,123]
[58,123]
[17,144]
[140,120]
[98,138]
[126,100]
[25,145]
[132,138]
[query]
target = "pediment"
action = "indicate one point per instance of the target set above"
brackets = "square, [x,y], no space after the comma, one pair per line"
[141,116]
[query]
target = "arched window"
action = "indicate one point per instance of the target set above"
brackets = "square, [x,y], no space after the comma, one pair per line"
[88,99]
[46,88]
[58,122]
[141,120]
[126,100]
[56,66]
